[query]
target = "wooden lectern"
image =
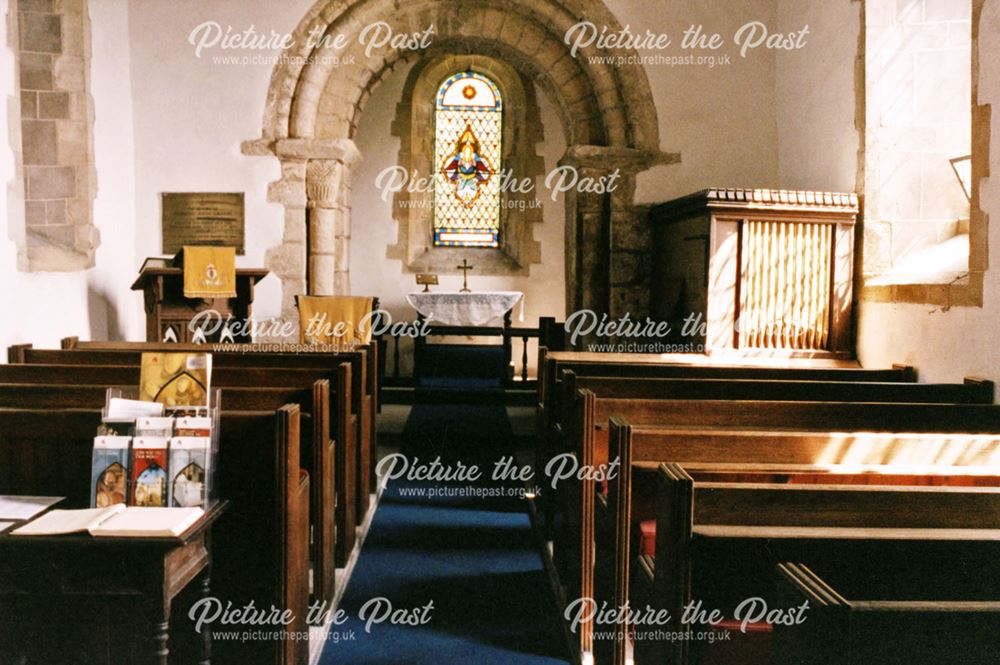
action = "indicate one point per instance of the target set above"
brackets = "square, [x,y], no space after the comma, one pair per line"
[168,312]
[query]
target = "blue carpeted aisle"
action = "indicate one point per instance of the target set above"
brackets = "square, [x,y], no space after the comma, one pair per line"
[473,556]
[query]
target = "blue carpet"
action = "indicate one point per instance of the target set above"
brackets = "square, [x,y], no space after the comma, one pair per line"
[474,557]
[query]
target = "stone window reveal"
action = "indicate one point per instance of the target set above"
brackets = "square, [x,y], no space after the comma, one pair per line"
[508,247]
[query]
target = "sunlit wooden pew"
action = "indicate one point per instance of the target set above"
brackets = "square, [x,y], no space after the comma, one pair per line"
[561,434]
[753,525]
[576,544]
[780,457]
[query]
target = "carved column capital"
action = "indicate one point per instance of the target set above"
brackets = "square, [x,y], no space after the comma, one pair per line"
[323,181]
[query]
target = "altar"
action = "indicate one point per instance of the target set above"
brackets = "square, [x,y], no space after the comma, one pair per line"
[466,309]
[468,314]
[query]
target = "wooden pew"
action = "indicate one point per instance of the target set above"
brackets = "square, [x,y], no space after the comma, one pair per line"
[221,377]
[703,523]
[574,552]
[665,381]
[799,457]
[556,422]
[591,443]
[560,436]
[971,391]
[676,366]
[610,375]
[369,353]
[363,372]
[772,457]
[890,615]
[260,545]
[618,366]
[328,413]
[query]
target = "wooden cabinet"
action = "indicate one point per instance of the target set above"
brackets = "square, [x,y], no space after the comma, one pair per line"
[765,272]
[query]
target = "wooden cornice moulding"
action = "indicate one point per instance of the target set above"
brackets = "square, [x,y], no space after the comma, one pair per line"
[843,204]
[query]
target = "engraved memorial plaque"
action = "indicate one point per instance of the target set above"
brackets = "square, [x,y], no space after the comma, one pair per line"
[203,218]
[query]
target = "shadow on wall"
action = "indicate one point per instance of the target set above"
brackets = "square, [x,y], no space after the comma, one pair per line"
[103,316]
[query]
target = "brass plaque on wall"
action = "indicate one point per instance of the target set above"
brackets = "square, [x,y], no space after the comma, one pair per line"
[203,218]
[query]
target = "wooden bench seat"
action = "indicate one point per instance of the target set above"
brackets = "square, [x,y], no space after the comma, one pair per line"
[622,520]
[560,427]
[575,543]
[675,366]
[972,391]
[260,545]
[704,523]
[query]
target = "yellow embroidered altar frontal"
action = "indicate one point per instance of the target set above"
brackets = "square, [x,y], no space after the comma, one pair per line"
[209,272]
[319,317]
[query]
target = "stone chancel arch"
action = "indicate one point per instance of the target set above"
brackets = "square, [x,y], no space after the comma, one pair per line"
[342,50]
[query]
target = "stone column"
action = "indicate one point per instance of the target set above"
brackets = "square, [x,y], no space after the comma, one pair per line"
[315,190]
[607,249]
[328,245]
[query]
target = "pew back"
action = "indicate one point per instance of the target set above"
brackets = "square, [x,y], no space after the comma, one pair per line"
[700,524]
[696,366]
[221,377]
[261,544]
[972,391]
[333,502]
[682,440]
[364,376]
[888,614]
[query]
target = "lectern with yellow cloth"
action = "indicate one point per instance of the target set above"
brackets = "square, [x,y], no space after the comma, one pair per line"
[336,320]
[197,280]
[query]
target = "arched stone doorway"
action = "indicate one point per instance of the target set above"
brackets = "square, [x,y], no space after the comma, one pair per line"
[317,94]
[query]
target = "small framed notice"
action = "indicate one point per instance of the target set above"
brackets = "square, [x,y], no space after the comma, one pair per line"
[203,218]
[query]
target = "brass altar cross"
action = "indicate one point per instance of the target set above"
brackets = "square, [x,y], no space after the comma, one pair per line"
[465,268]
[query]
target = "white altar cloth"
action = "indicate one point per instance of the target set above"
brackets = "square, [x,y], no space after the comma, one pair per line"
[452,308]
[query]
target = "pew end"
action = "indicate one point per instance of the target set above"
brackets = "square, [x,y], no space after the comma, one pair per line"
[16,353]
[985,388]
[881,614]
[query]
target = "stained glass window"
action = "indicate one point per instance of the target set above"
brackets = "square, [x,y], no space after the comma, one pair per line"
[467,160]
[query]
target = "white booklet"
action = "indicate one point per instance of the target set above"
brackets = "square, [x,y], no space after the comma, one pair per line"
[114,521]
[121,409]
[15,507]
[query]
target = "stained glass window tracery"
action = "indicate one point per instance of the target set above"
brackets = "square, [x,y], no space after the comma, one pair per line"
[467,153]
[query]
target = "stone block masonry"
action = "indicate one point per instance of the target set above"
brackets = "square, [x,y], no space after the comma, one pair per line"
[57,167]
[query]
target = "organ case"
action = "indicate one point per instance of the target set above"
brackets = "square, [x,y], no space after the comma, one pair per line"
[764,272]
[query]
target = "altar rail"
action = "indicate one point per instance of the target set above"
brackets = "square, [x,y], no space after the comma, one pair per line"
[546,332]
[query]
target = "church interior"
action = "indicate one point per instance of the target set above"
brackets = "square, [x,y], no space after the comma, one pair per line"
[378,332]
